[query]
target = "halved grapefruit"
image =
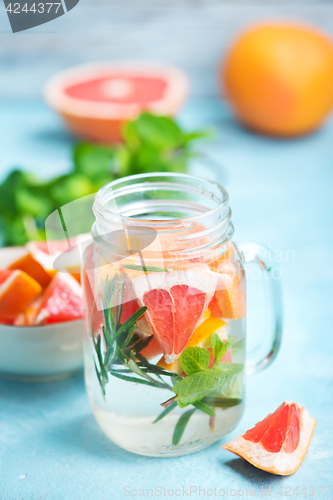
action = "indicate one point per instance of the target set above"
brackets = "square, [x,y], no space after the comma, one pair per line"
[95,100]
[277,444]
[61,301]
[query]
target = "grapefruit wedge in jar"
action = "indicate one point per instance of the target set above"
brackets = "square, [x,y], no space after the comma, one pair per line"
[176,306]
[279,443]
[95,100]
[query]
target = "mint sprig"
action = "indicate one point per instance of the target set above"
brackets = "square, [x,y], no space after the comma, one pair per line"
[194,359]
[202,383]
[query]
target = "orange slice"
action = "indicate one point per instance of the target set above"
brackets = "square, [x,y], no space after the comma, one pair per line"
[16,293]
[277,444]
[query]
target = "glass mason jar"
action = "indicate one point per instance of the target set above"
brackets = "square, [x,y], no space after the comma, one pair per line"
[165,302]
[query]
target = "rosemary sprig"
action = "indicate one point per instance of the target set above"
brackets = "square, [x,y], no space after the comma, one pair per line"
[181,425]
[146,269]
[123,346]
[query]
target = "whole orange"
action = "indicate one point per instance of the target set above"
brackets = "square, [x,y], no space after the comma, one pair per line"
[279,78]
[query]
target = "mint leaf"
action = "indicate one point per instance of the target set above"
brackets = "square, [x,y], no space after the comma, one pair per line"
[220,348]
[158,131]
[194,359]
[195,387]
[233,387]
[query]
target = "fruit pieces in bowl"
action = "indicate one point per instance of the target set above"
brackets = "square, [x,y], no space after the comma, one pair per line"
[42,339]
[33,293]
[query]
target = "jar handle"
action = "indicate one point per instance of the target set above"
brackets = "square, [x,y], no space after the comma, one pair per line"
[256,253]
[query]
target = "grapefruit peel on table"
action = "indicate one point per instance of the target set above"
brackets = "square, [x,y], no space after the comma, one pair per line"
[278,444]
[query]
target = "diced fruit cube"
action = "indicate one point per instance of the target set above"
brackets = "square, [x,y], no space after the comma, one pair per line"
[16,293]
[61,301]
[34,268]
[229,299]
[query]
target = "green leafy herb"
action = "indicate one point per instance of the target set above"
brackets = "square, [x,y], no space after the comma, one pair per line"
[200,405]
[151,143]
[220,402]
[220,348]
[165,412]
[194,359]
[195,387]
[181,425]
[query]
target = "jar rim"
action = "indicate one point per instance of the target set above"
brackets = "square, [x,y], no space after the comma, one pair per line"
[113,189]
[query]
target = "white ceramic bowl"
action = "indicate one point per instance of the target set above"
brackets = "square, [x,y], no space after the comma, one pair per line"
[39,353]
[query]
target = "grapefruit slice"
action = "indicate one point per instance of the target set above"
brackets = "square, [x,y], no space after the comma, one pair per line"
[176,303]
[97,279]
[152,350]
[229,300]
[95,100]
[36,264]
[201,337]
[17,291]
[61,301]
[277,444]
[40,256]
[4,274]
[174,314]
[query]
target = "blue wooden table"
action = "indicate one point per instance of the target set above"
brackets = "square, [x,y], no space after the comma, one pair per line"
[281,194]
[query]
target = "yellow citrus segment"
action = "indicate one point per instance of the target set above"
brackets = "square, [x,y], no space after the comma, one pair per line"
[205,330]
[174,367]
[200,334]
[16,293]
